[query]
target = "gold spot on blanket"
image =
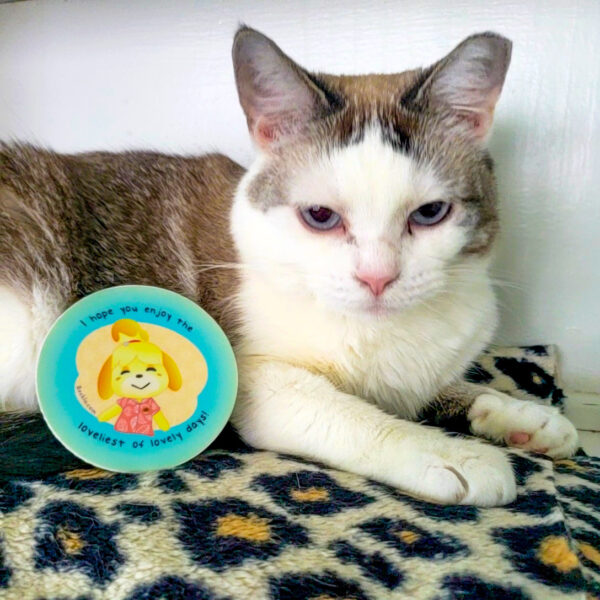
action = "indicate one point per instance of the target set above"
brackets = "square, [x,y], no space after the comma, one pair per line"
[252,527]
[569,464]
[312,494]
[408,537]
[554,551]
[88,474]
[590,552]
[70,541]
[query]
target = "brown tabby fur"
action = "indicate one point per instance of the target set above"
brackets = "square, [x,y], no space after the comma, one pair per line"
[77,224]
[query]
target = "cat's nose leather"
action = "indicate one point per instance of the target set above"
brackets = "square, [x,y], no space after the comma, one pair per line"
[377,281]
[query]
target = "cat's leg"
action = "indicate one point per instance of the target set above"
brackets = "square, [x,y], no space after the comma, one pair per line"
[288,409]
[24,322]
[501,418]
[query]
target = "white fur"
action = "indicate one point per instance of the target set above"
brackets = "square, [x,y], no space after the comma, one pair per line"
[23,326]
[375,189]
[433,322]
[288,409]
[303,307]
[496,416]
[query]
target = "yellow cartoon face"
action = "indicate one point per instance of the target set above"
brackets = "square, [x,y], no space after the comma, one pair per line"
[139,379]
[137,368]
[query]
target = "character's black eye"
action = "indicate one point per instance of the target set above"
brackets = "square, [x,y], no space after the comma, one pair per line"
[150,369]
[430,214]
[124,371]
[320,218]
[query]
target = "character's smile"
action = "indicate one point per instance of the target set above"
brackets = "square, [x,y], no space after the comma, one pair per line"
[137,387]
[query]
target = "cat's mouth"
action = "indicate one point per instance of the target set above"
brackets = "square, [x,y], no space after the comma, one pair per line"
[383,307]
[378,308]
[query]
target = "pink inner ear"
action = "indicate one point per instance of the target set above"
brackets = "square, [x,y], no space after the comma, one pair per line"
[482,116]
[480,122]
[264,133]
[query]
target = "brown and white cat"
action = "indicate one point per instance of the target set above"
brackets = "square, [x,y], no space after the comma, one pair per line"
[348,265]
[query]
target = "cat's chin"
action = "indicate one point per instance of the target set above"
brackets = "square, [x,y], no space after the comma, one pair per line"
[380,310]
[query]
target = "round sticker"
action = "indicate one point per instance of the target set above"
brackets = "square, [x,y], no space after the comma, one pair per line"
[136,378]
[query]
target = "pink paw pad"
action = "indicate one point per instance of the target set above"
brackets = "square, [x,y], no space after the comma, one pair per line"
[518,438]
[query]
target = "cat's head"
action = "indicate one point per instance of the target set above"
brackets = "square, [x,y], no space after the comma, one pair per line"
[370,193]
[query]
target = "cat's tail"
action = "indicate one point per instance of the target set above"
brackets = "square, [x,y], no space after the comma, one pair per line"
[28,448]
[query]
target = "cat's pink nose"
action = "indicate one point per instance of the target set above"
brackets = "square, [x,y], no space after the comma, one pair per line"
[376,281]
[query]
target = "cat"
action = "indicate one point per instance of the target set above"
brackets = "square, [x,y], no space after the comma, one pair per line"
[348,265]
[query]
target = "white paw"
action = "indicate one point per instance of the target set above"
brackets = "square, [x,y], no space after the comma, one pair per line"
[464,472]
[523,425]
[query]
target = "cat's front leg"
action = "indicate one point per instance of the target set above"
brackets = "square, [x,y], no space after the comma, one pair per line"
[501,418]
[288,409]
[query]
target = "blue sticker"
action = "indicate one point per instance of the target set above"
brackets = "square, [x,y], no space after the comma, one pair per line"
[136,378]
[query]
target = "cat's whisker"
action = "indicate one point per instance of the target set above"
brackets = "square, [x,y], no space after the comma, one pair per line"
[212,266]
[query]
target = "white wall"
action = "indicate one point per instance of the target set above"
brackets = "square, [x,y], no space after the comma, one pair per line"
[86,74]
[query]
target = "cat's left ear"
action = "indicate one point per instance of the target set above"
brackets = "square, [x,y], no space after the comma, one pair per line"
[279,98]
[468,82]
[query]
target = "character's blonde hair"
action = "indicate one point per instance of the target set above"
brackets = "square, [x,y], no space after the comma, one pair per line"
[133,343]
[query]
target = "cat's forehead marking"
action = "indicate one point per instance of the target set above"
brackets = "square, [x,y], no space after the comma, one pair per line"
[368,101]
[369,181]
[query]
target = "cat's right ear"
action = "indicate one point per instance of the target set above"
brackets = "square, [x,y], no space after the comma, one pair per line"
[278,97]
[467,83]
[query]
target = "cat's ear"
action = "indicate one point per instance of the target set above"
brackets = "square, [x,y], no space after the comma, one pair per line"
[278,97]
[468,82]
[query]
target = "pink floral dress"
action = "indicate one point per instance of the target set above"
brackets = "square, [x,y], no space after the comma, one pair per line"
[136,417]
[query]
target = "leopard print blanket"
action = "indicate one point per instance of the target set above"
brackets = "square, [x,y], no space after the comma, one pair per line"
[253,525]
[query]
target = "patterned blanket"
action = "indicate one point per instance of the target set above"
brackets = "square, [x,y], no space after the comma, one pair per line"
[253,525]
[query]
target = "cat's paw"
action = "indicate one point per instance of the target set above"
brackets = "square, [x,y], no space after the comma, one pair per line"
[523,424]
[465,472]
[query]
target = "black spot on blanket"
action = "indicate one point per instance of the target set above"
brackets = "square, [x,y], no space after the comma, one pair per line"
[523,467]
[313,586]
[141,513]
[69,536]
[412,541]
[171,588]
[546,557]
[310,492]
[227,532]
[5,571]
[477,374]
[470,587]
[374,566]
[528,376]
[12,495]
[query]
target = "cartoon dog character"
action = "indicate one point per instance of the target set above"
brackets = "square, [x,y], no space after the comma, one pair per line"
[136,371]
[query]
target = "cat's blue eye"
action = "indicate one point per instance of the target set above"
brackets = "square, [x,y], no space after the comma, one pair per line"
[320,218]
[430,214]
